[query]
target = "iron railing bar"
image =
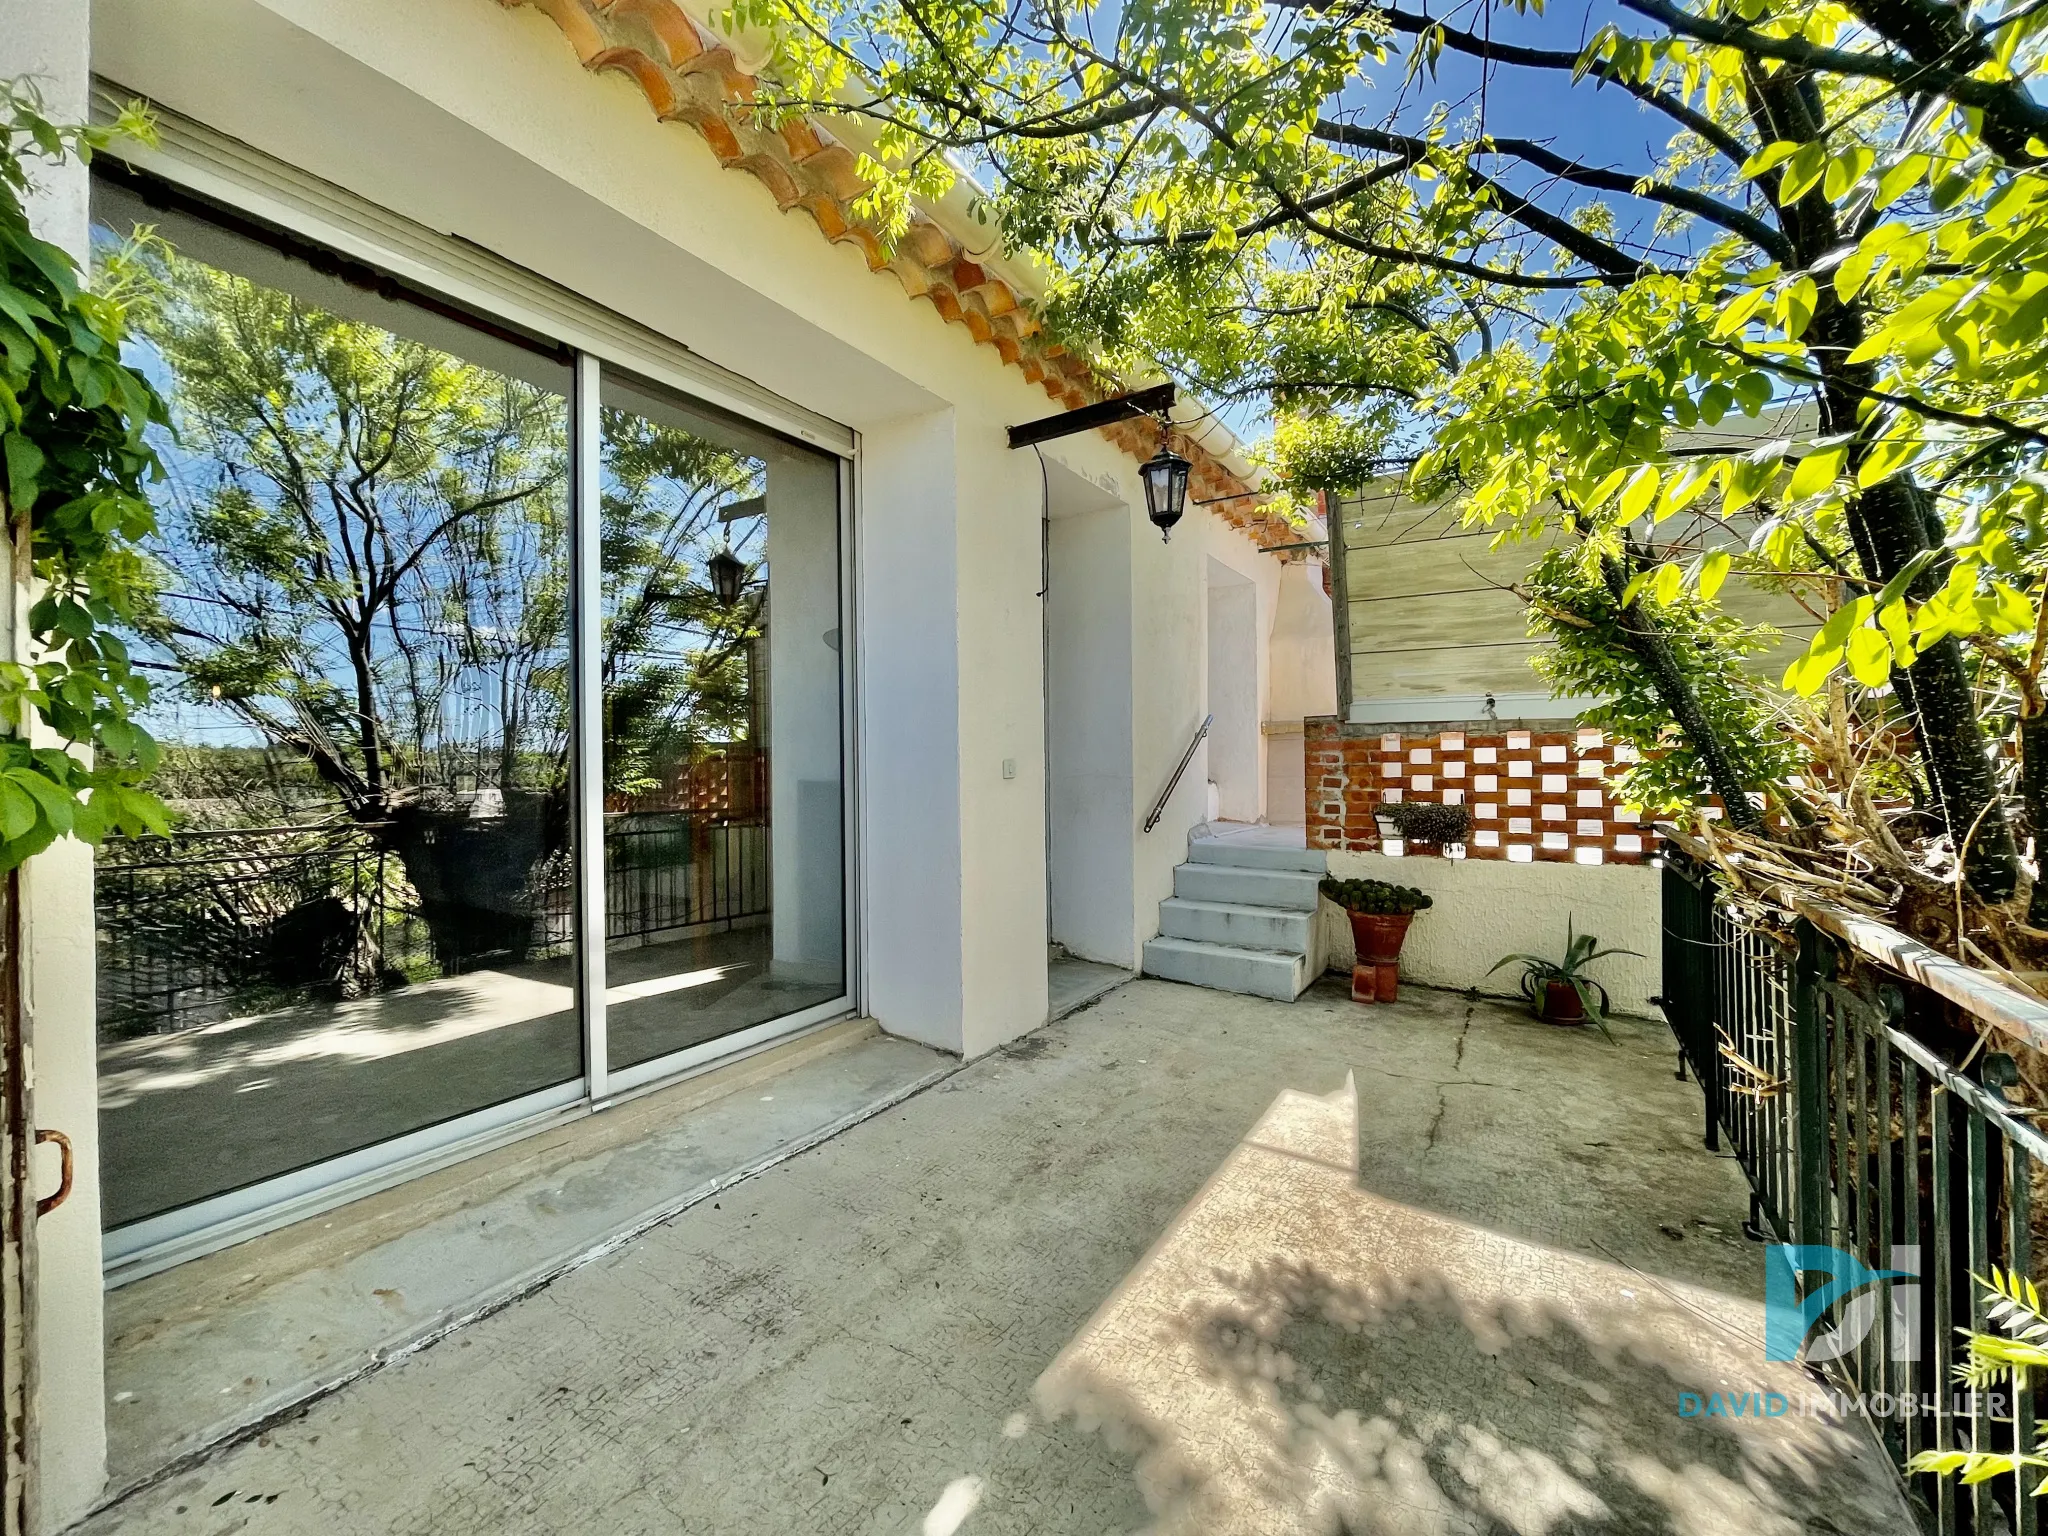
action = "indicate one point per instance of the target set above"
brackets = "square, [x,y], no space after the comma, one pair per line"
[1978,1172]
[1838,1177]
[2019,1246]
[1944,1317]
[1985,1103]
[1909,1104]
[1886,1371]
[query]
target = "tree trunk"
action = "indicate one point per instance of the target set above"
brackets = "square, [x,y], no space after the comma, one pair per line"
[2034,805]
[1892,522]
[1652,647]
[1890,525]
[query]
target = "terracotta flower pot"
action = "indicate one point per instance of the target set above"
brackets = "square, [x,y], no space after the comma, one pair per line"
[1378,935]
[1562,1003]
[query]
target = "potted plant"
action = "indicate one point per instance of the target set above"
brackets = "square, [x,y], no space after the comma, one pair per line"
[1560,991]
[1426,827]
[1380,913]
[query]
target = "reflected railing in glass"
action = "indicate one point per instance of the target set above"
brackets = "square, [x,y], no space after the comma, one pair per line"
[360,647]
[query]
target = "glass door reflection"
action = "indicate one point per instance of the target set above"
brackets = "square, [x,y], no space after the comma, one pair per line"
[723,846]
[359,926]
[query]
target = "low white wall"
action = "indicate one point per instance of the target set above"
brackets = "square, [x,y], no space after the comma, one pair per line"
[1487,908]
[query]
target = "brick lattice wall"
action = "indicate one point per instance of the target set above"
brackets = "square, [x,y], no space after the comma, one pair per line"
[1534,795]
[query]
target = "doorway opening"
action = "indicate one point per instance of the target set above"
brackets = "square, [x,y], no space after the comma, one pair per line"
[1090,810]
[1236,781]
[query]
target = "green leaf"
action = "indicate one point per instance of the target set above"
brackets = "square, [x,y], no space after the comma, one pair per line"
[1747,479]
[1796,305]
[1886,458]
[57,805]
[1802,169]
[25,463]
[1816,472]
[1642,487]
[1609,484]
[1713,572]
[17,811]
[1844,170]
[1899,179]
[1853,273]
[1909,573]
[1681,492]
[1809,673]
[1769,156]
[1893,617]
[1870,657]
[1669,582]
[2007,611]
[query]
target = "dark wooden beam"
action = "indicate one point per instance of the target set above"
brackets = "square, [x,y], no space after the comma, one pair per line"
[1156,401]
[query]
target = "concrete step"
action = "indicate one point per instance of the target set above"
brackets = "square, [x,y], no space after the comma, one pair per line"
[1226,968]
[1292,890]
[1247,855]
[1220,922]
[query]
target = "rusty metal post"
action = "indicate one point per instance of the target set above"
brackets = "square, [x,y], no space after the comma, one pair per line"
[17,1231]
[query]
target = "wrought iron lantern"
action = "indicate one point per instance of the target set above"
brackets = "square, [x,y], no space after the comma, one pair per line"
[1166,484]
[728,576]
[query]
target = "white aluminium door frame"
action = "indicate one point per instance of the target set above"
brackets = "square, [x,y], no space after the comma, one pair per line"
[586,778]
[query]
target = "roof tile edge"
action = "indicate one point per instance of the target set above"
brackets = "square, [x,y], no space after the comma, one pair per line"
[690,75]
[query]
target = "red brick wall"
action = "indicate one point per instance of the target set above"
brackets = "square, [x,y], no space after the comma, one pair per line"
[1533,795]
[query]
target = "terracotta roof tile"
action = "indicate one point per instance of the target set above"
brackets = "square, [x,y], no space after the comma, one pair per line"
[689,75]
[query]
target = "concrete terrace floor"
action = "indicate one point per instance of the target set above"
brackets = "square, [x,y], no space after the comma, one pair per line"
[1157,1267]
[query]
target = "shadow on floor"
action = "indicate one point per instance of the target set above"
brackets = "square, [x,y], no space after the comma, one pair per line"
[1300,1353]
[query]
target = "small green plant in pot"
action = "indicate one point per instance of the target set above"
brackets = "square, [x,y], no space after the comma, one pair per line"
[1560,991]
[1380,913]
[1425,826]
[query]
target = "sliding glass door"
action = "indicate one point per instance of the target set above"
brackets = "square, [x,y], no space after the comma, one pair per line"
[720,666]
[363,937]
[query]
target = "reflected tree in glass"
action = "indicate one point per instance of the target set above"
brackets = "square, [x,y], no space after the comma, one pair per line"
[677,664]
[364,569]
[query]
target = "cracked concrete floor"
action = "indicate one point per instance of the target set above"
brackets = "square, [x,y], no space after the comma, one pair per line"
[851,1341]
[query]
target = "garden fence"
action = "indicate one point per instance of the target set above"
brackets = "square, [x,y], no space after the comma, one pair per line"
[1846,1067]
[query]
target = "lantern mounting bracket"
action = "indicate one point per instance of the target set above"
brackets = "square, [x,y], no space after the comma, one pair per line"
[1156,401]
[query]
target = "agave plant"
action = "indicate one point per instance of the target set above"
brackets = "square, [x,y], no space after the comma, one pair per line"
[1580,951]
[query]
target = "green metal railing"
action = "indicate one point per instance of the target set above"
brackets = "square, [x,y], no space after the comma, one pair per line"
[1868,1117]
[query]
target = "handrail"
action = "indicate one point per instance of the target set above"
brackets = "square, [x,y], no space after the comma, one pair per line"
[2003,1006]
[1166,794]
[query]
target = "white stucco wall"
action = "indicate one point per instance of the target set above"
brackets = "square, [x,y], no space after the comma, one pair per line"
[1487,908]
[47,39]
[1303,663]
